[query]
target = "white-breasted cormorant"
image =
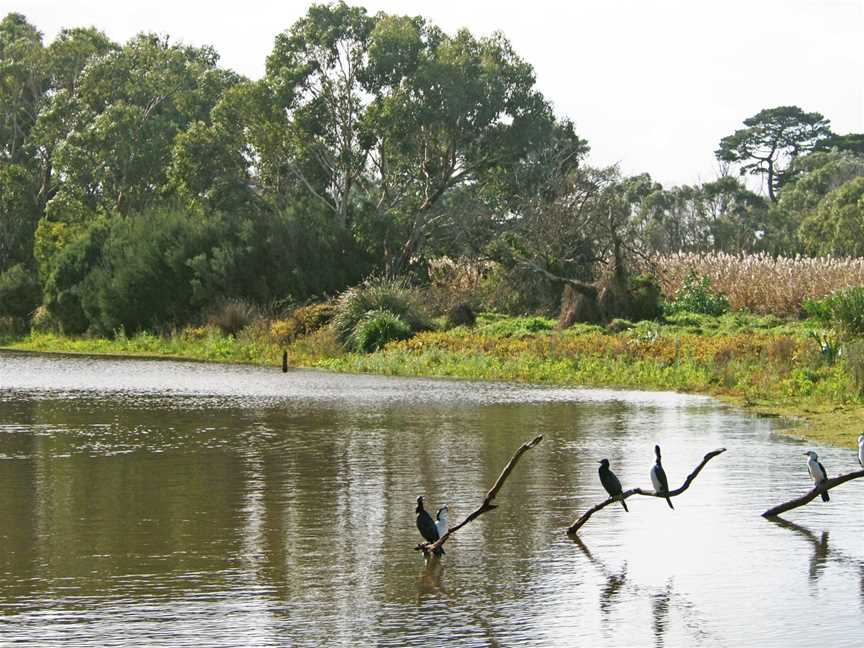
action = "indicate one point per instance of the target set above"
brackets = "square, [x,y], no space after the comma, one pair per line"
[658,478]
[861,450]
[426,526]
[441,520]
[610,482]
[817,472]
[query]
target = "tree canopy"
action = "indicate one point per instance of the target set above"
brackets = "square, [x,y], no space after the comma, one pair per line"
[141,182]
[772,139]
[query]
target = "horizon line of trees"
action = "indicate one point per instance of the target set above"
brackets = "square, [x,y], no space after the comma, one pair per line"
[140,183]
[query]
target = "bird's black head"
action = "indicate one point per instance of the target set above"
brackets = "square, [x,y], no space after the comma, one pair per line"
[419,504]
[657,451]
[604,463]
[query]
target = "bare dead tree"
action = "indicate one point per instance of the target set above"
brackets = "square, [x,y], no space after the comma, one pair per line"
[573,528]
[824,486]
[487,505]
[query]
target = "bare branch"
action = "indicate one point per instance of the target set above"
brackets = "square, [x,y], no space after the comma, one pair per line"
[487,504]
[824,486]
[573,528]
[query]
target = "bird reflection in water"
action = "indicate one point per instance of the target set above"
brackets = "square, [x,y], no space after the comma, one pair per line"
[430,579]
[615,581]
[822,552]
[662,601]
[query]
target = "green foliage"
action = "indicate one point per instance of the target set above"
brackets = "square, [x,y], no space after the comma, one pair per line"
[771,139]
[842,311]
[619,325]
[19,292]
[377,295]
[514,327]
[18,215]
[144,278]
[65,272]
[696,296]
[43,322]
[855,364]
[836,227]
[377,328]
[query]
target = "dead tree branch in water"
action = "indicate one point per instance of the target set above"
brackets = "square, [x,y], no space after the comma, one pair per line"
[487,505]
[573,528]
[824,486]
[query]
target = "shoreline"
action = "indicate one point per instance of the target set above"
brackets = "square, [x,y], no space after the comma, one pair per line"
[823,423]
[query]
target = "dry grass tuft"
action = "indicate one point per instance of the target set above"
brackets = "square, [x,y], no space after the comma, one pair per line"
[762,283]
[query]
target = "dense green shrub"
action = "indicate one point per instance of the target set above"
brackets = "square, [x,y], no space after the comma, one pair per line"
[19,292]
[354,304]
[697,296]
[144,279]
[842,310]
[67,271]
[377,328]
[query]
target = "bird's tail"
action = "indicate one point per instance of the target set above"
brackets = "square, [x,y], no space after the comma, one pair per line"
[624,504]
[825,497]
[669,502]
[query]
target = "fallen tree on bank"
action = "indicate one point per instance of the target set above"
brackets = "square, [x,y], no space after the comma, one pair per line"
[573,528]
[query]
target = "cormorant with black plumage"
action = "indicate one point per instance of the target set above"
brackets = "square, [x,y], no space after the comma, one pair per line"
[817,472]
[658,478]
[426,525]
[610,482]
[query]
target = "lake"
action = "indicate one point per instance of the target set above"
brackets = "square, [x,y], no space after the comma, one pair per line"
[163,503]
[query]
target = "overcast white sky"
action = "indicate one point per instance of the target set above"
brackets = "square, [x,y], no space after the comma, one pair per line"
[652,84]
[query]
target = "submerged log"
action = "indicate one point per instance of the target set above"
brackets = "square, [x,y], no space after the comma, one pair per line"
[825,486]
[427,548]
[573,528]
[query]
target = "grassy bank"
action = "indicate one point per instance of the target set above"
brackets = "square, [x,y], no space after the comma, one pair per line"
[759,362]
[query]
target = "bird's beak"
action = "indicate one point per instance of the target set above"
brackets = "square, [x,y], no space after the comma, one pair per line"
[599,462]
[806,454]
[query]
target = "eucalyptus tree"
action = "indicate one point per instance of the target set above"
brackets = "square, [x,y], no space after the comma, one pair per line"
[836,226]
[455,112]
[127,108]
[383,119]
[772,139]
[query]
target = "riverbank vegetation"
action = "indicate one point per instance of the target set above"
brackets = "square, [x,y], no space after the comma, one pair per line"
[811,368]
[389,197]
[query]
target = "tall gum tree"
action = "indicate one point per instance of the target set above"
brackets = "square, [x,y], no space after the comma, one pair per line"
[383,117]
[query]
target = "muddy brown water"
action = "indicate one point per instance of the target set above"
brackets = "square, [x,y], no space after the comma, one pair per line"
[182,504]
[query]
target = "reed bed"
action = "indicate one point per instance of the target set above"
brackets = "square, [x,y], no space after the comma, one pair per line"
[762,283]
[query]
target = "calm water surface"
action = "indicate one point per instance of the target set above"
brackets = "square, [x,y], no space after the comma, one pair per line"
[180,504]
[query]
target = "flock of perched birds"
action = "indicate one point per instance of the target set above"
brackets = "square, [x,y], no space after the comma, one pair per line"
[432,530]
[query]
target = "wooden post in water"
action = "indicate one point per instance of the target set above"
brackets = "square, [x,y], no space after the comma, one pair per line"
[284,362]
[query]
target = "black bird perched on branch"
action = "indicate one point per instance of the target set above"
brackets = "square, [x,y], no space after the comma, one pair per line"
[610,482]
[658,478]
[817,472]
[426,525]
